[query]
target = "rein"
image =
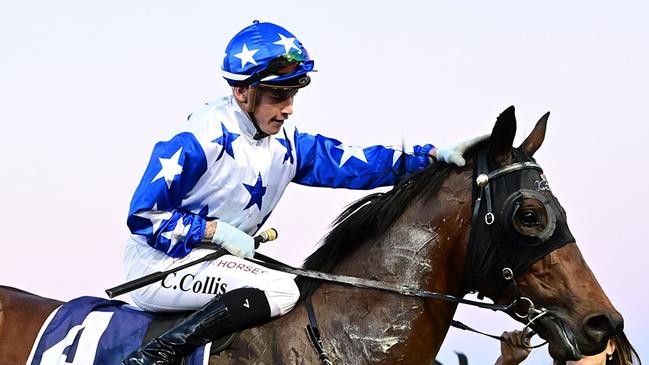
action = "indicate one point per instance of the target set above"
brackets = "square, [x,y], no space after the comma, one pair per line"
[405,290]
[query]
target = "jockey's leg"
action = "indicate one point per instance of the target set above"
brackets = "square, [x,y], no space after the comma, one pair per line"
[225,314]
[247,295]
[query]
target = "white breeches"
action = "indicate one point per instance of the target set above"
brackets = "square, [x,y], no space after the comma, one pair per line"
[193,287]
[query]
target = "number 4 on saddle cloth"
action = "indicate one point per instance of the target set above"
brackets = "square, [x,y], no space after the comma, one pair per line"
[90,330]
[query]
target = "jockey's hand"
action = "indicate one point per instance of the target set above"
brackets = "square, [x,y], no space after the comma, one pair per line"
[513,350]
[233,240]
[454,154]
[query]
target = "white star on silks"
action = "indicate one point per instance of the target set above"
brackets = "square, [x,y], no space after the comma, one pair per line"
[288,43]
[170,168]
[155,216]
[398,152]
[257,193]
[179,232]
[246,56]
[349,152]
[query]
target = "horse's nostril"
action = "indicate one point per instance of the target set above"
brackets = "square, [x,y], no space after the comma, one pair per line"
[600,327]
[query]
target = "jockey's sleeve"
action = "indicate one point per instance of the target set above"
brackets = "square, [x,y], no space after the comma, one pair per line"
[323,161]
[173,170]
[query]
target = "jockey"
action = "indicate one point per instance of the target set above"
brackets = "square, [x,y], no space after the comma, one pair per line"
[219,178]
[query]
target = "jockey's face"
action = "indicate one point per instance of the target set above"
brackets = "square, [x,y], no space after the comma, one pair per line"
[273,108]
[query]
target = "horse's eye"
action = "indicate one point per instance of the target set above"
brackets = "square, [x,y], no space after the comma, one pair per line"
[529,218]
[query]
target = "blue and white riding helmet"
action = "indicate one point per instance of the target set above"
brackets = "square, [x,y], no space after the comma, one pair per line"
[268,55]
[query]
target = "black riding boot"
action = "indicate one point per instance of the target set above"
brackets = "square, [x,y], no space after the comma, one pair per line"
[233,311]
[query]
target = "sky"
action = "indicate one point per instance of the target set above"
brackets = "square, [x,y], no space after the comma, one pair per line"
[87,88]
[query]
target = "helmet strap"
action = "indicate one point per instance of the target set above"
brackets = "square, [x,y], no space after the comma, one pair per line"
[251,102]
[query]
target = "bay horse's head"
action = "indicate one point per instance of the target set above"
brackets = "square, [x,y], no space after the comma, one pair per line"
[521,247]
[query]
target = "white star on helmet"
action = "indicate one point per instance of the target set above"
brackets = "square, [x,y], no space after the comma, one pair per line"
[246,56]
[288,43]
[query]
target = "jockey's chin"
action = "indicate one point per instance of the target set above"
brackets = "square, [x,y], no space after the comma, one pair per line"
[271,127]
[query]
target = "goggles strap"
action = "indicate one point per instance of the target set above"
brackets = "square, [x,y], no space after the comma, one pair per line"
[250,105]
[252,100]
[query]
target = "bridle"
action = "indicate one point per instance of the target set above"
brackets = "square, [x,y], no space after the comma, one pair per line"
[483,217]
[485,231]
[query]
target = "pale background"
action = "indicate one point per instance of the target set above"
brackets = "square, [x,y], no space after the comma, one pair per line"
[87,88]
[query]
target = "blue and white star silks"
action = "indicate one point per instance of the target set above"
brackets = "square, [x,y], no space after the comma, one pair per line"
[288,156]
[189,180]
[170,168]
[178,233]
[349,152]
[155,216]
[226,140]
[264,220]
[257,192]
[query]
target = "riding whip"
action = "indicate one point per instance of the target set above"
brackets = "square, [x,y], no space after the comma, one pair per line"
[265,236]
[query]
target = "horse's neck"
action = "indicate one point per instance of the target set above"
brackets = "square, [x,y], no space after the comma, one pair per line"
[424,248]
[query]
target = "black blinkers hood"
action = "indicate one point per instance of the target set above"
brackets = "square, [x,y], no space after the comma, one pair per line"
[494,247]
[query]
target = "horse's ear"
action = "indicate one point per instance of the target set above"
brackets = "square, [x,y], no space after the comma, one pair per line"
[532,143]
[502,136]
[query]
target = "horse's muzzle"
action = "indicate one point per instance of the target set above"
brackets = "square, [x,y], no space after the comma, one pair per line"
[598,328]
[567,343]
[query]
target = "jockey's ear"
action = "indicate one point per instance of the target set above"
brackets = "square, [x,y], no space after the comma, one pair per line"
[240,94]
[246,97]
[502,137]
[532,143]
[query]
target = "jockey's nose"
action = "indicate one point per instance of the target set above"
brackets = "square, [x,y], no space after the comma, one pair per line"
[600,327]
[287,108]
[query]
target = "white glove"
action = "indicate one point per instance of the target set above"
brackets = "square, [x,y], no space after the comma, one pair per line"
[233,240]
[454,154]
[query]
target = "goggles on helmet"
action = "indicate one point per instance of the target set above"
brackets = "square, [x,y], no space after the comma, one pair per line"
[283,65]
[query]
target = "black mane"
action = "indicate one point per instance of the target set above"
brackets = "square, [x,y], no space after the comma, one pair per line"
[370,217]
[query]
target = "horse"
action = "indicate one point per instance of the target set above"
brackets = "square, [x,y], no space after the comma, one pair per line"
[492,227]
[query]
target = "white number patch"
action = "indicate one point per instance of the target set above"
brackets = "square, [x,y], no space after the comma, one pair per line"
[93,327]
